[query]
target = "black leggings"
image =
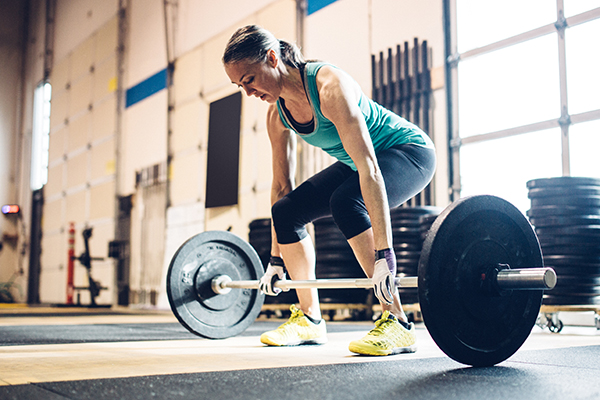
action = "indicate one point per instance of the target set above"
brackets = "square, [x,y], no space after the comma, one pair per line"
[407,169]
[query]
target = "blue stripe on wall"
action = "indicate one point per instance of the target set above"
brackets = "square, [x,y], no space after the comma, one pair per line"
[146,88]
[316,5]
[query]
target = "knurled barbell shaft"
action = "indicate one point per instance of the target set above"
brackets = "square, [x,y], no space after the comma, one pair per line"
[510,279]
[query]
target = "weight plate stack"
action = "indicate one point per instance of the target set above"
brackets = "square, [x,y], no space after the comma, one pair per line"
[259,237]
[408,225]
[335,260]
[565,212]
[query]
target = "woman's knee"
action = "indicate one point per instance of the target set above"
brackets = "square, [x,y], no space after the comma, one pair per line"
[349,214]
[288,226]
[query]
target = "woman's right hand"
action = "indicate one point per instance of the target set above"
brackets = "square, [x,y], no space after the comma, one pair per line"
[275,272]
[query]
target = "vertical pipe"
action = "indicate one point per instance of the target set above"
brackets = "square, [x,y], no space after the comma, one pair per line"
[425,85]
[416,84]
[381,85]
[426,93]
[407,82]
[390,81]
[565,120]
[375,89]
[398,85]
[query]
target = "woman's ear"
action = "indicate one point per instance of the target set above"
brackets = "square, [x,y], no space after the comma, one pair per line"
[272,58]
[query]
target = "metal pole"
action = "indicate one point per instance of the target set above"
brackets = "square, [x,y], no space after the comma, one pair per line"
[514,279]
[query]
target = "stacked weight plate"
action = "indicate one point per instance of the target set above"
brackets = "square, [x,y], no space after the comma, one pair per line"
[409,225]
[565,212]
[335,260]
[260,238]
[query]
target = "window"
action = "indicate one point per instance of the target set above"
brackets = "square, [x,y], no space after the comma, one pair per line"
[40,140]
[524,101]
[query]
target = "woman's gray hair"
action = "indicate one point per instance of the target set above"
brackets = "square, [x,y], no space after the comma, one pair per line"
[252,43]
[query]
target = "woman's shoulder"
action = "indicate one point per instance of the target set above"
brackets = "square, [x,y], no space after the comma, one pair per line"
[274,123]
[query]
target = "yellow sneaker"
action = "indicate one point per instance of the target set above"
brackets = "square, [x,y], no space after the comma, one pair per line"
[388,337]
[296,331]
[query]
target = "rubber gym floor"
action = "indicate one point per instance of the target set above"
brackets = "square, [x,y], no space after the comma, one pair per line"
[82,353]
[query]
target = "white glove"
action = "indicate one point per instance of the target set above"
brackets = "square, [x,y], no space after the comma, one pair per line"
[275,272]
[384,275]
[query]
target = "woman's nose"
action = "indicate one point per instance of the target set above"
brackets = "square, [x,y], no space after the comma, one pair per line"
[249,91]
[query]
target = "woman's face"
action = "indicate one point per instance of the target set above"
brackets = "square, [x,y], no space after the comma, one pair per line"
[258,79]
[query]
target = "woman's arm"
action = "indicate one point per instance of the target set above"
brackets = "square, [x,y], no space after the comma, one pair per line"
[283,148]
[339,95]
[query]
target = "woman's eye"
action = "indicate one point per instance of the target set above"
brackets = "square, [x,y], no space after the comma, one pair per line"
[249,81]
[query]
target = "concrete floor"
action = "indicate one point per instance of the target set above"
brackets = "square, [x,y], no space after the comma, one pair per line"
[57,353]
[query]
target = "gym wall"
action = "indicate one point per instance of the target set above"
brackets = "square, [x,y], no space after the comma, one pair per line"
[118,129]
[82,165]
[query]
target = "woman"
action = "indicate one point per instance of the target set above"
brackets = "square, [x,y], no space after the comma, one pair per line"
[383,161]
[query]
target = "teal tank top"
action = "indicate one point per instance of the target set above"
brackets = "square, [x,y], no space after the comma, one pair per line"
[385,127]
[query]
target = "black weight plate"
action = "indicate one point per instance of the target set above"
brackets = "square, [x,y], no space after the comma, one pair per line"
[589,201]
[572,260]
[400,246]
[577,250]
[471,235]
[554,210]
[565,220]
[571,300]
[415,211]
[190,273]
[578,290]
[580,230]
[563,181]
[571,280]
[407,230]
[555,240]
[408,238]
[260,223]
[575,270]
[569,191]
[399,223]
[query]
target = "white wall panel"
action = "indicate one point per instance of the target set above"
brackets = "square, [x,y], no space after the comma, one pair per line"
[187,187]
[105,76]
[102,201]
[402,20]
[77,20]
[60,107]
[187,80]
[79,132]
[57,148]
[146,51]
[80,96]
[104,121]
[53,216]
[145,137]
[339,34]
[103,160]
[77,171]
[82,59]
[200,21]
[55,180]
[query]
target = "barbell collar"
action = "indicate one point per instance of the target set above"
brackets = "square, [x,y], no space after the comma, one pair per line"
[526,279]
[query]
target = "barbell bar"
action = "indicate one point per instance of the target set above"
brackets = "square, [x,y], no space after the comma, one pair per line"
[505,279]
[478,256]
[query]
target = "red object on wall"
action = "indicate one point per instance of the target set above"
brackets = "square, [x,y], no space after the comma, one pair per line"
[71,263]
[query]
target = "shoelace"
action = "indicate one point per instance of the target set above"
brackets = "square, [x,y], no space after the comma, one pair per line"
[381,325]
[295,315]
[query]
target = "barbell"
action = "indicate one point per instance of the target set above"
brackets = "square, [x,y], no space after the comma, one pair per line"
[480,281]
